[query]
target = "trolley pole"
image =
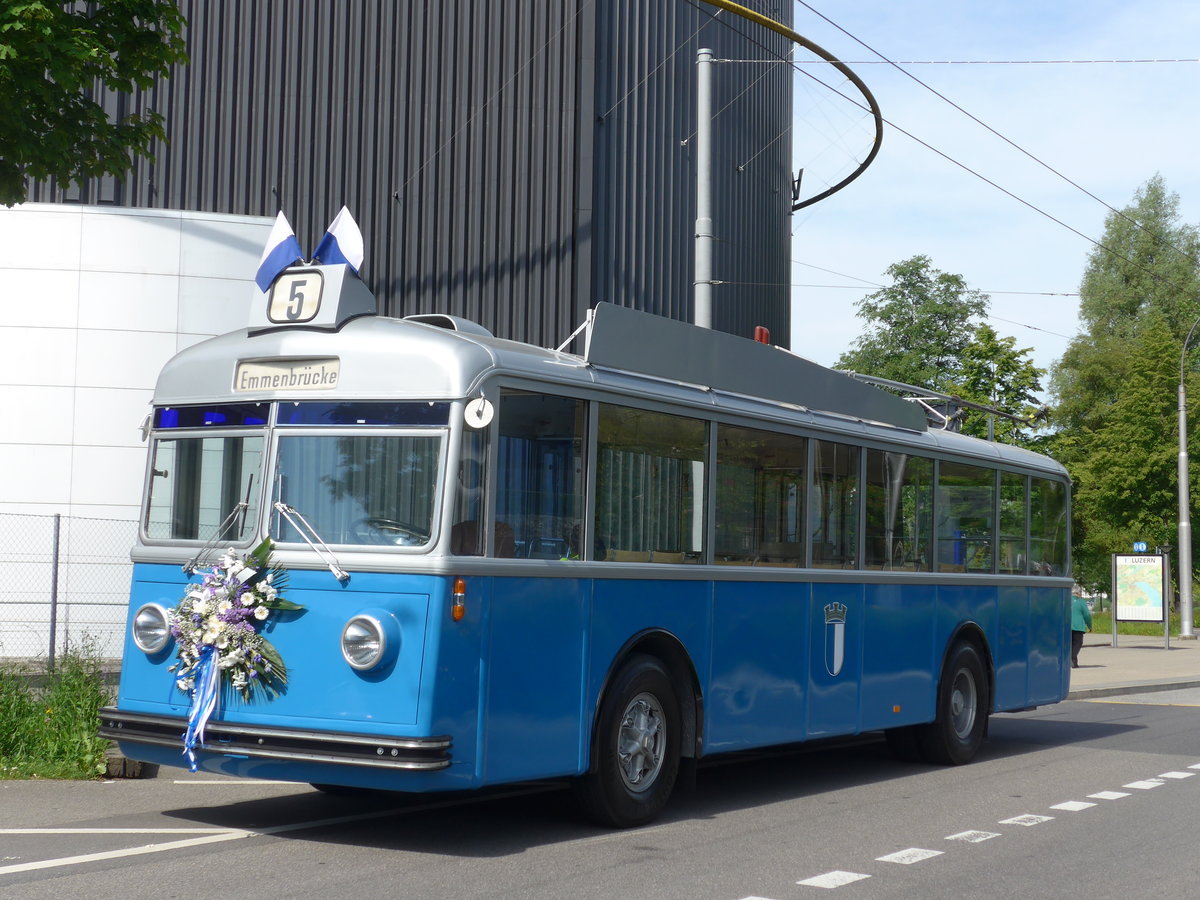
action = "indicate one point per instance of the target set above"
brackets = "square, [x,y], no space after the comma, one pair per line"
[702,287]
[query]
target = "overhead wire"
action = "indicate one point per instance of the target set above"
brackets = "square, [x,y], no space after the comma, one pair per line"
[883,58]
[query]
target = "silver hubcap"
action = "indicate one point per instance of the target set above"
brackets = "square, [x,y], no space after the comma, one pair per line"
[964,699]
[641,742]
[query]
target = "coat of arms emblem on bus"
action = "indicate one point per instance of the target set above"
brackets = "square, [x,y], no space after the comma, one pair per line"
[835,637]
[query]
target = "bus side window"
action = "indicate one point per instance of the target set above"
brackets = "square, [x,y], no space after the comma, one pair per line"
[650,485]
[466,537]
[899,514]
[834,504]
[760,498]
[540,472]
[1048,549]
[966,502]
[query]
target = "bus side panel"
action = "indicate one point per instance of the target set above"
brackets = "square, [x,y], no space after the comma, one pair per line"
[623,609]
[759,664]
[835,663]
[897,649]
[1011,650]
[1050,644]
[532,687]
[958,604]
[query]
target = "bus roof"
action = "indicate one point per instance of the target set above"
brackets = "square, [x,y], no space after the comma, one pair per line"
[628,353]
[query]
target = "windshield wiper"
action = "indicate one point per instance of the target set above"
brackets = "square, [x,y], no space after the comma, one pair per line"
[323,551]
[192,566]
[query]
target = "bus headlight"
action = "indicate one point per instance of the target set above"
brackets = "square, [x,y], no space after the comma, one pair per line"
[370,640]
[151,630]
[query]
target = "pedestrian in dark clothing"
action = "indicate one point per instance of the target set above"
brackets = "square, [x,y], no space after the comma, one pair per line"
[1081,621]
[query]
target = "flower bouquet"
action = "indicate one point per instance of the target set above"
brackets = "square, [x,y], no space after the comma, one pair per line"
[216,628]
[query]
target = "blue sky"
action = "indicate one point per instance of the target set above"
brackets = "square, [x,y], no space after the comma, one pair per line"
[1107,126]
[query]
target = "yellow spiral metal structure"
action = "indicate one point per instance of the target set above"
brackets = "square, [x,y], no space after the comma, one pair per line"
[779,28]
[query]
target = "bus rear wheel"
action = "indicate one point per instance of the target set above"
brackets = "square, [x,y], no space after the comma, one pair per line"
[636,748]
[955,736]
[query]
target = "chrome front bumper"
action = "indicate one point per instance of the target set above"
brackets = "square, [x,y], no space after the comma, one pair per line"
[335,747]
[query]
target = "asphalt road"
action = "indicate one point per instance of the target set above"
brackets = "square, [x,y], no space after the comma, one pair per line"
[1091,799]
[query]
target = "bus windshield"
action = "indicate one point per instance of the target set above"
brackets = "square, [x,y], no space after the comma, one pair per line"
[196,483]
[359,489]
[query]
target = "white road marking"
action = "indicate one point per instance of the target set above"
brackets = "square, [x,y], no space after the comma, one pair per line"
[1144,785]
[1027,820]
[1108,795]
[1073,805]
[909,856]
[834,879]
[119,830]
[1176,774]
[973,837]
[225,834]
[118,854]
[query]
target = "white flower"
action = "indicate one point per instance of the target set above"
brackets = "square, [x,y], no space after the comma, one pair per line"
[212,631]
[224,606]
[261,612]
[248,598]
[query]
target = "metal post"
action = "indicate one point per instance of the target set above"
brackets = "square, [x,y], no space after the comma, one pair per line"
[1185,524]
[702,296]
[53,593]
[1185,504]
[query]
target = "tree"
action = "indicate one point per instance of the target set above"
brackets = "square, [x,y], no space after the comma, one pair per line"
[1115,387]
[918,327]
[993,372]
[55,60]
[1124,471]
[1146,261]
[924,331]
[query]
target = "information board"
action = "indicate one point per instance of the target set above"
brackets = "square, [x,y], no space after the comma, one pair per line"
[1139,587]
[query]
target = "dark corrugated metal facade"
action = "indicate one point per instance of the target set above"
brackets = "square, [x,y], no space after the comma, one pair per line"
[511,163]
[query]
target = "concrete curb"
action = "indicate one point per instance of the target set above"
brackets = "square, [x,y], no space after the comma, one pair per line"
[1132,687]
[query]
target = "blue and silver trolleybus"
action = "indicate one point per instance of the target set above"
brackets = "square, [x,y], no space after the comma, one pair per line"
[507,563]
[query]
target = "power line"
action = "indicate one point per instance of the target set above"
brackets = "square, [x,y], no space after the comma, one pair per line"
[1008,141]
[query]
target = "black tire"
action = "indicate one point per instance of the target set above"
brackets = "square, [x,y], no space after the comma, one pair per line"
[636,748]
[962,710]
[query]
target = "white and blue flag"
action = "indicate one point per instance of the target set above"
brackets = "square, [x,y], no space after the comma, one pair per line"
[342,243]
[281,251]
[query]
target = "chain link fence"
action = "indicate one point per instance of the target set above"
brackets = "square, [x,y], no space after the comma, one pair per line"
[65,580]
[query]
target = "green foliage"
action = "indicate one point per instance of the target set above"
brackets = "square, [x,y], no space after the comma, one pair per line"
[993,372]
[1125,465]
[924,330]
[1116,386]
[917,328]
[48,722]
[56,59]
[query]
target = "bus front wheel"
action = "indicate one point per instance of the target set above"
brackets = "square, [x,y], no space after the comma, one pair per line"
[955,736]
[636,747]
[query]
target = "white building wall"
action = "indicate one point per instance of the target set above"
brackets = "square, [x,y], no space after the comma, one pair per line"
[93,301]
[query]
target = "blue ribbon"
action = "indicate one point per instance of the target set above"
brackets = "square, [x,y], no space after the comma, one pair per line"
[205,691]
